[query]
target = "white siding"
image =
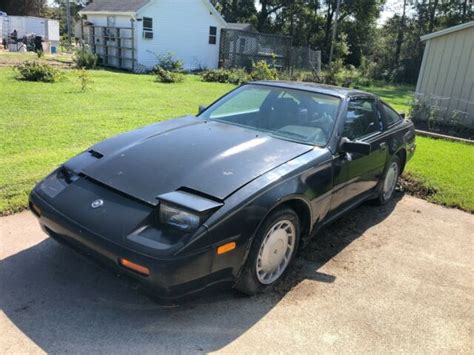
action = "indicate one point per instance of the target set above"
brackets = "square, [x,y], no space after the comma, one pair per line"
[180,27]
[447,72]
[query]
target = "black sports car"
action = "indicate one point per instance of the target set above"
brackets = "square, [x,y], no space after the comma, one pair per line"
[229,195]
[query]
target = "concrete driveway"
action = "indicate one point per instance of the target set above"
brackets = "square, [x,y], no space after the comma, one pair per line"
[397,278]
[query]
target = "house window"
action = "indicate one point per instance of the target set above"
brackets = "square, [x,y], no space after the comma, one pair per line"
[212,35]
[148,28]
[147,24]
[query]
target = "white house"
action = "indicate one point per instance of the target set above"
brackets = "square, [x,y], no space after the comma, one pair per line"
[132,33]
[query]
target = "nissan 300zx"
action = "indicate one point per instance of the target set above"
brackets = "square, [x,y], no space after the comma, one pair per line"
[226,197]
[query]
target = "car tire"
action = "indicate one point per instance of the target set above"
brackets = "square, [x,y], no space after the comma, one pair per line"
[270,248]
[389,182]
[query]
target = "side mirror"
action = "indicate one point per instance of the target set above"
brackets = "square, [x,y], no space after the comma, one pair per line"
[202,108]
[403,115]
[348,146]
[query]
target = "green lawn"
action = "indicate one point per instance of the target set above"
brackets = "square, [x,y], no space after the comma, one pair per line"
[398,96]
[42,125]
[447,168]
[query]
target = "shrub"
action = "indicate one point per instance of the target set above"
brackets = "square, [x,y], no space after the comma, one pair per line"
[34,71]
[337,74]
[262,71]
[166,76]
[420,110]
[84,79]
[231,76]
[84,58]
[169,63]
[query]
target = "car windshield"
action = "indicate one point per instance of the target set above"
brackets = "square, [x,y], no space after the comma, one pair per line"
[301,116]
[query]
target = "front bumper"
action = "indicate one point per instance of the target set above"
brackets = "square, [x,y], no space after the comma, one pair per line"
[170,277]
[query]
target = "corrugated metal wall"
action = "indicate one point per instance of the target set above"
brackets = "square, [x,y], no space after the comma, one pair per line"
[447,73]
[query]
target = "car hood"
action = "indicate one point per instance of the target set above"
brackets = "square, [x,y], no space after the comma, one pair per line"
[210,157]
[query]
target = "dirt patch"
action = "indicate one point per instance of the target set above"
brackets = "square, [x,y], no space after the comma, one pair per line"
[415,187]
[10,59]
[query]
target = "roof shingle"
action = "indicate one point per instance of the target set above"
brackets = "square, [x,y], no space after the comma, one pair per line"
[116,5]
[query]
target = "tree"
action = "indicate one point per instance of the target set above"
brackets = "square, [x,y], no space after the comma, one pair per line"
[24,7]
[237,10]
[400,36]
[269,8]
[58,11]
[399,51]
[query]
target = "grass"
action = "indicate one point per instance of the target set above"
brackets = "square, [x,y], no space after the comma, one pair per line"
[447,168]
[398,96]
[42,125]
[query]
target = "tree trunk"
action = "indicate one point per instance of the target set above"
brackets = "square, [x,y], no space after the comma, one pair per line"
[262,16]
[327,33]
[433,16]
[400,37]
[464,10]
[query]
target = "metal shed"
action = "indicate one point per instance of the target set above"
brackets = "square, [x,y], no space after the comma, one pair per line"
[446,77]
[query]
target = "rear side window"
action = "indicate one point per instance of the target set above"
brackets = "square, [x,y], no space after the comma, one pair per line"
[363,119]
[391,116]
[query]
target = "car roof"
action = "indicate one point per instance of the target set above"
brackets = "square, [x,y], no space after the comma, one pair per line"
[314,87]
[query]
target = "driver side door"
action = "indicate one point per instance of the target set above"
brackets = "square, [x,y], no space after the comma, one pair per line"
[359,174]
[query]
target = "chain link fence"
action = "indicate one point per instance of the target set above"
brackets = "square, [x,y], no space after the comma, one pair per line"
[240,49]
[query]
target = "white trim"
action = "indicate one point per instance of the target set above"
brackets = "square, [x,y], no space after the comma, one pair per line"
[447,31]
[111,13]
[133,13]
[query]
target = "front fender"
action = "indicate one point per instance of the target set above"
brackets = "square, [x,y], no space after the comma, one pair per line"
[244,211]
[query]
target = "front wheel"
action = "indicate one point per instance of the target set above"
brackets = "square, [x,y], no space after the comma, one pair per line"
[390,181]
[272,251]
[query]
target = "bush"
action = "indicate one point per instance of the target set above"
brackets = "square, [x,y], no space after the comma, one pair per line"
[421,111]
[84,79]
[337,74]
[262,71]
[169,63]
[34,71]
[166,76]
[231,76]
[84,58]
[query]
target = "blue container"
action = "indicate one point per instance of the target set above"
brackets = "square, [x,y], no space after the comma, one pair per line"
[53,50]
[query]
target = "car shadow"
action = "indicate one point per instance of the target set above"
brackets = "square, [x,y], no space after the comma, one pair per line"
[65,303]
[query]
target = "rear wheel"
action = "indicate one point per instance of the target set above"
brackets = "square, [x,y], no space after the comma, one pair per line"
[390,181]
[272,251]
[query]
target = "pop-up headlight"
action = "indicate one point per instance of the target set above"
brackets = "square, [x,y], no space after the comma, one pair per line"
[178,218]
[184,210]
